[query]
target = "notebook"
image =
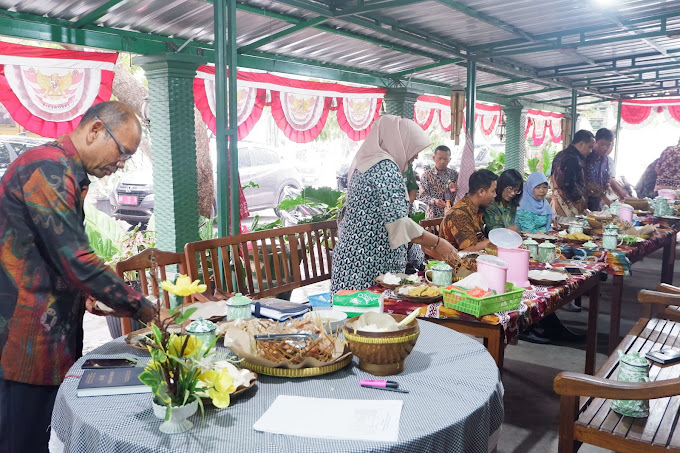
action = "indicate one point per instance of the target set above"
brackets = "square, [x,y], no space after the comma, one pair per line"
[112,381]
[278,309]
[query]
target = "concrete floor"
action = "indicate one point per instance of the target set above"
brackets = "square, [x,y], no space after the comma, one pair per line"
[531,406]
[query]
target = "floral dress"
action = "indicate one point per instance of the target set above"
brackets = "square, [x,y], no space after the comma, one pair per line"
[374,198]
[531,222]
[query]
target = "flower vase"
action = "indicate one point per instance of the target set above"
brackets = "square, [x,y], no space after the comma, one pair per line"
[178,422]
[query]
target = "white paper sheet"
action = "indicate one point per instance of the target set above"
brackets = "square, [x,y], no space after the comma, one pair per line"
[372,420]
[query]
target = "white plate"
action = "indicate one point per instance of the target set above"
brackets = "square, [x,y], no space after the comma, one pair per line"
[547,275]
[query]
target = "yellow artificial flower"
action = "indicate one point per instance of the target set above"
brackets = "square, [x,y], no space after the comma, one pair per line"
[219,399]
[175,345]
[221,384]
[183,287]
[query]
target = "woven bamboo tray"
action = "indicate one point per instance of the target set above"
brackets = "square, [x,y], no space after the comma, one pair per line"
[297,372]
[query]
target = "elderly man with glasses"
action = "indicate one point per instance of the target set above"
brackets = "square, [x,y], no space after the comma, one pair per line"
[438,184]
[47,268]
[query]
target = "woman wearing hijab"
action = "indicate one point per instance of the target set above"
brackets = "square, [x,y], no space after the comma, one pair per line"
[374,226]
[534,214]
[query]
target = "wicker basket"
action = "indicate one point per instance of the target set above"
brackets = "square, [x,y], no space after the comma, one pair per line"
[382,353]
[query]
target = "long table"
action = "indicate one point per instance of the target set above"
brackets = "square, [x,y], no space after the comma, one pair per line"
[499,329]
[619,264]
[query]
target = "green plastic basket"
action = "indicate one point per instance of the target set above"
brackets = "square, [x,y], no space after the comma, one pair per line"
[459,300]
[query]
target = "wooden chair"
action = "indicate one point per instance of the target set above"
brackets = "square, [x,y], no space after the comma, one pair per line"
[264,263]
[591,420]
[140,264]
[431,225]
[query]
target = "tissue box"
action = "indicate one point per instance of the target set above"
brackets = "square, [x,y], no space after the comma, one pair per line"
[320,300]
[356,303]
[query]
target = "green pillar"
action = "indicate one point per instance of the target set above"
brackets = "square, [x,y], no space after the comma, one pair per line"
[401,102]
[574,113]
[618,131]
[471,87]
[173,146]
[514,138]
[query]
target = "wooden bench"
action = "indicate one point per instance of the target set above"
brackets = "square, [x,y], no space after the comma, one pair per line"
[585,413]
[268,262]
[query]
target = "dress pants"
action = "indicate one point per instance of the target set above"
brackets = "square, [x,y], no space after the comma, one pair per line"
[25,416]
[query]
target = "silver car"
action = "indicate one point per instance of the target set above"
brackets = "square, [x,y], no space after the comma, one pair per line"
[133,198]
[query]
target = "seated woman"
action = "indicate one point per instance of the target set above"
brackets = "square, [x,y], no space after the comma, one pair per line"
[501,213]
[534,214]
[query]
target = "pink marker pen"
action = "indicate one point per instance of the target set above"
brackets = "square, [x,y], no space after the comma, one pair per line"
[379,383]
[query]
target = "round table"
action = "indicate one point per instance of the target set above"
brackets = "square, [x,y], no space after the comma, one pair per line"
[455,404]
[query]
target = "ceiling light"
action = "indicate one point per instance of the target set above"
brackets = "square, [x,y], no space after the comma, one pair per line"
[605,2]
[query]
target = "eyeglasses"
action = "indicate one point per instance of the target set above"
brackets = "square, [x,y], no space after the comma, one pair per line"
[123,153]
[512,190]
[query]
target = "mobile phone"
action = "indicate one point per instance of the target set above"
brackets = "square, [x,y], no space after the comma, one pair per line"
[108,363]
[574,270]
[664,356]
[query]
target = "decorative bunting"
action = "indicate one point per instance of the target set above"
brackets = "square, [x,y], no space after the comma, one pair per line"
[299,107]
[47,91]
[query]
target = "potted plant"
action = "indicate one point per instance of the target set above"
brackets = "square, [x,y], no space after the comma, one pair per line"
[182,369]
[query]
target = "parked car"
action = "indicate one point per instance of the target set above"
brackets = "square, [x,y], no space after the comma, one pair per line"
[11,147]
[133,198]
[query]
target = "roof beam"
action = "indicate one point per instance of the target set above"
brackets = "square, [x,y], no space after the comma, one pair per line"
[436,64]
[582,42]
[96,14]
[630,73]
[567,98]
[373,6]
[273,37]
[571,32]
[504,82]
[458,6]
[529,93]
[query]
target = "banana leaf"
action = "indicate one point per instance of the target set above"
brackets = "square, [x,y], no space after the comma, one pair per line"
[105,233]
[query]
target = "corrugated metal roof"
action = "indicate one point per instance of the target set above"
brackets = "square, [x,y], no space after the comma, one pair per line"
[396,40]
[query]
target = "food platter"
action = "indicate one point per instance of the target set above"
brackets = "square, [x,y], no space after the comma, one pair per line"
[297,372]
[403,277]
[429,299]
[136,338]
[541,237]
[547,278]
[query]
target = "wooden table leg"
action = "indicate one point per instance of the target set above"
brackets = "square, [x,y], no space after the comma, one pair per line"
[668,265]
[615,316]
[591,340]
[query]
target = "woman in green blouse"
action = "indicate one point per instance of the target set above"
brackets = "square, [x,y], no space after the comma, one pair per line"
[501,213]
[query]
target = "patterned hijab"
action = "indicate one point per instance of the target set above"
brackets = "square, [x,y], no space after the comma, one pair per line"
[392,137]
[531,203]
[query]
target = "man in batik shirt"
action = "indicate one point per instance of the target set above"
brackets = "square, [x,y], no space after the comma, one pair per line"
[438,183]
[47,267]
[568,176]
[463,225]
[597,170]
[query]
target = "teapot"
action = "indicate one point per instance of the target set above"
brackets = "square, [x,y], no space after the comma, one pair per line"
[238,307]
[546,252]
[204,330]
[532,246]
[610,237]
[632,368]
[614,208]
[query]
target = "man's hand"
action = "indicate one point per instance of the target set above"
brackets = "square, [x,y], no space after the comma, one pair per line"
[440,203]
[453,187]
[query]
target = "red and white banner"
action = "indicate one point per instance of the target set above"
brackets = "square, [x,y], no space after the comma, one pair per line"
[299,107]
[540,124]
[638,112]
[486,116]
[47,91]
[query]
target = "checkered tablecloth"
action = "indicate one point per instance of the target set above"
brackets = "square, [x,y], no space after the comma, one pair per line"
[455,404]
